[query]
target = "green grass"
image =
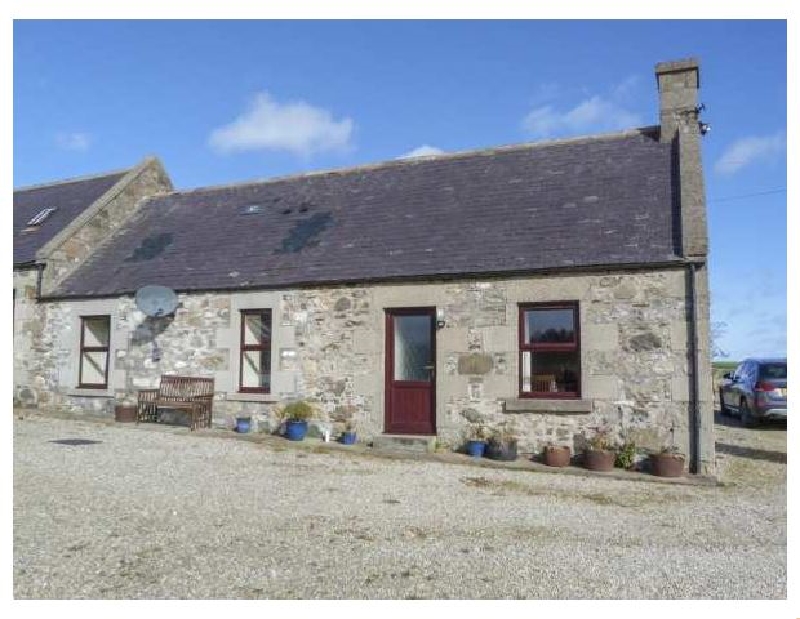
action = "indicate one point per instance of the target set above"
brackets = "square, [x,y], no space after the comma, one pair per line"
[719,368]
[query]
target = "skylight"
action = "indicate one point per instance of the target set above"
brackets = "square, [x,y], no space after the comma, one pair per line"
[41,216]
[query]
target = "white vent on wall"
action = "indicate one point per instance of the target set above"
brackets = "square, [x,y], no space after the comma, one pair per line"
[41,216]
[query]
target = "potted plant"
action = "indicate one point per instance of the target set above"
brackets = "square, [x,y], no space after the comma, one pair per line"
[476,441]
[242,425]
[599,455]
[557,455]
[296,416]
[668,463]
[625,455]
[349,435]
[502,445]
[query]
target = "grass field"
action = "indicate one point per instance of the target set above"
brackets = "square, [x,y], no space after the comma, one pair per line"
[719,368]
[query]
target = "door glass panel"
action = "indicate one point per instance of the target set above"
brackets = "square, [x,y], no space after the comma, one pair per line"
[412,348]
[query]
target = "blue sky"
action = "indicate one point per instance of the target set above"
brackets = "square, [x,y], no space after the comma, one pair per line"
[230,101]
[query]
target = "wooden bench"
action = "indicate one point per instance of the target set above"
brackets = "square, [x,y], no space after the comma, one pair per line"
[193,395]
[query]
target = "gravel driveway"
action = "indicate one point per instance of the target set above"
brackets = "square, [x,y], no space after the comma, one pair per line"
[150,513]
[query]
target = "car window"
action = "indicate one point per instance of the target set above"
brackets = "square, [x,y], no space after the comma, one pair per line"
[738,373]
[775,371]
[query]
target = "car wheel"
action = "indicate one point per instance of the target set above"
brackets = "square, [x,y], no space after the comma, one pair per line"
[748,421]
[724,411]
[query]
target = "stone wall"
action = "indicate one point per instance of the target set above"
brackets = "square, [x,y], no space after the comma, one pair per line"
[328,346]
[73,245]
[28,320]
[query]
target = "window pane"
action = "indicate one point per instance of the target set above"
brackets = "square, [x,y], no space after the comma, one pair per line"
[555,372]
[256,369]
[776,371]
[95,332]
[412,347]
[93,368]
[550,325]
[257,328]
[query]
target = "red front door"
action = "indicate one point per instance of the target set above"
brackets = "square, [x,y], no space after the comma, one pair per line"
[410,371]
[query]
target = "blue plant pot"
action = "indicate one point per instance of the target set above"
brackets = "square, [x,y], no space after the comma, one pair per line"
[476,448]
[296,430]
[348,438]
[242,424]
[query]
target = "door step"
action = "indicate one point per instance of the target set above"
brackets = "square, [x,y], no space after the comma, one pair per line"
[404,443]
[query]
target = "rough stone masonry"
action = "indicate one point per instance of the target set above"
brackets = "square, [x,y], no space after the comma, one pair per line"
[328,346]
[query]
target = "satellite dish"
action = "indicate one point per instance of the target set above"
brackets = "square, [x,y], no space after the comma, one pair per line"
[156,300]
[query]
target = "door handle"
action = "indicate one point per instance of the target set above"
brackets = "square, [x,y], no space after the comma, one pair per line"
[428,367]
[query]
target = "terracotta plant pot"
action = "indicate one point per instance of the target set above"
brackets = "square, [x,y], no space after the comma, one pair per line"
[666,465]
[556,455]
[124,413]
[598,459]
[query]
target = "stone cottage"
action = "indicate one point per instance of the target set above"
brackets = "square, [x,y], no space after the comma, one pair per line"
[56,227]
[552,288]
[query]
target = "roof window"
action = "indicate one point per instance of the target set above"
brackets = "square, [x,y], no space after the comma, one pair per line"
[37,219]
[252,209]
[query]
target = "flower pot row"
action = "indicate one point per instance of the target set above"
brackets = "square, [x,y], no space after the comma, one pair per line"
[294,430]
[663,464]
[505,450]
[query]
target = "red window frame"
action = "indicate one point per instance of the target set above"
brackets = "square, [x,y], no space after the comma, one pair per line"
[264,345]
[84,349]
[574,346]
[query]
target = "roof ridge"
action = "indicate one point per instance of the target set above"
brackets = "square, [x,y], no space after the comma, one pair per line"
[75,179]
[490,150]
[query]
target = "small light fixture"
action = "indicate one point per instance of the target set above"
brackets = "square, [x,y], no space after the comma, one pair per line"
[704,128]
[440,318]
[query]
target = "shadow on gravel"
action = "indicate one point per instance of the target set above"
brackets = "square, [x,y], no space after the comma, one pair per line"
[733,422]
[749,452]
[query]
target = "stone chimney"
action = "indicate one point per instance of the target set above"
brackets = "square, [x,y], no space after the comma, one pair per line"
[678,83]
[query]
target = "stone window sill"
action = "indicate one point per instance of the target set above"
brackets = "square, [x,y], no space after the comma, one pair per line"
[547,407]
[90,393]
[251,397]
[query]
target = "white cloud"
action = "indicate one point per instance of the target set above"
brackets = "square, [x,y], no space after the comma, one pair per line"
[422,151]
[296,127]
[749,150]
[76,141]
[596,113]
[625,88]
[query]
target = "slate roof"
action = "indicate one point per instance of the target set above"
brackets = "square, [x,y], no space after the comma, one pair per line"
[69,198]
[605,200]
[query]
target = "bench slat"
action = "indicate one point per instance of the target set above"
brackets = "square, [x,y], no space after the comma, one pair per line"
[194,394]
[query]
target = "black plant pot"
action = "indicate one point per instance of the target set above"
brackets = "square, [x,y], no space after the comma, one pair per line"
[506,450]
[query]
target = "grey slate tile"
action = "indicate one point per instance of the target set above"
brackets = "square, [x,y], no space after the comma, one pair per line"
[70,199]
[603,201]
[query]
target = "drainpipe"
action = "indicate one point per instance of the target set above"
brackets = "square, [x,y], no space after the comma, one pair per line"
[40,268]
[694,384]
